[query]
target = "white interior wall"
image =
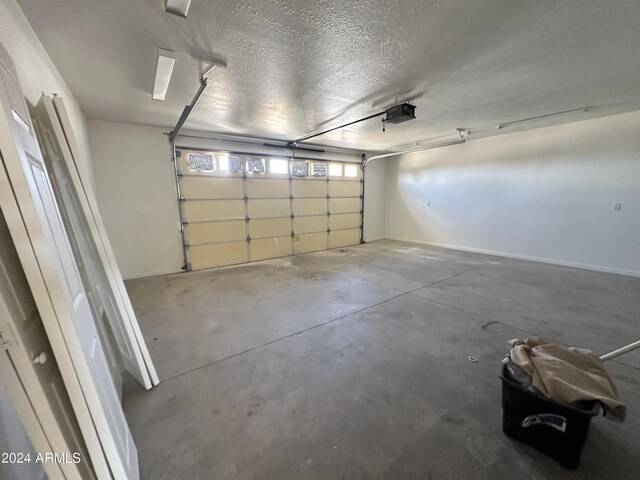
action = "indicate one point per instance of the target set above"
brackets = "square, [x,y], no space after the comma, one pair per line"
[136,194]
[546,194]
[37,74]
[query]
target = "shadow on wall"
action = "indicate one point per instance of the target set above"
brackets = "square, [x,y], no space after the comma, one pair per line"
[566,193]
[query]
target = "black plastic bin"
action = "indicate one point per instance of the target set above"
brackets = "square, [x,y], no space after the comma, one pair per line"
[557,429]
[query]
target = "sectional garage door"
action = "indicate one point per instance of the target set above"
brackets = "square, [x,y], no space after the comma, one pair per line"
[244,208]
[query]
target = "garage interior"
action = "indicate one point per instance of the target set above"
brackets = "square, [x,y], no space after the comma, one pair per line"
[325,289]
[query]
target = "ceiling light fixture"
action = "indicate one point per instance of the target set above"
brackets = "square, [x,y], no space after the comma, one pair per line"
[177,7]
[541,117]
[164,68]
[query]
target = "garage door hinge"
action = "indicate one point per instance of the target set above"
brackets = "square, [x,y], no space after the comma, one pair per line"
[248,238]
[7,338]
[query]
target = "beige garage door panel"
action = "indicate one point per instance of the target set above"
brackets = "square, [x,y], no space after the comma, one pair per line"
[209,256]
[210,210]
[216,232]
[215,212]
[344,189]
[270,248]
[347,220]
[312,242]
[344,205]
[267,188]
[309,206]
[274,227]
[212,187]
[269,208]
[310,224]
[309,188]
[344,238]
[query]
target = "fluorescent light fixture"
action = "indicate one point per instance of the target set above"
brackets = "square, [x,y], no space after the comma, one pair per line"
[541,117]
[177,7]
[164,68]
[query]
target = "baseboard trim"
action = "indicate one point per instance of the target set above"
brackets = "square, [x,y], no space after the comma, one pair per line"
[562,263]
[151,274]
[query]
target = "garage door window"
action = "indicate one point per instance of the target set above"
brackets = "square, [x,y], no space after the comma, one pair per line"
[319,169]
[256,165]
[203,162]
[300,169]
[350,170]
[335,170]
[279,166]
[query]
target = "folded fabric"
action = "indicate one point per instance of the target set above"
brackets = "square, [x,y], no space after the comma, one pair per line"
[567,374]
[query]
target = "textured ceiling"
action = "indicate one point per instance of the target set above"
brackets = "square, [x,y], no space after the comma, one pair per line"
[298,66]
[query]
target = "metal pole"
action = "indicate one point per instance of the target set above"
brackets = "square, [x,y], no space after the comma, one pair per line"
[172,140]
[187,110]
[421,149]
[185,265]
[620,351]
[540,117]
[362,186]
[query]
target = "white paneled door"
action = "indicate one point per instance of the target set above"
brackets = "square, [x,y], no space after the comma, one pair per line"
[39,391]
[116,329]
[37,230]
[82,184]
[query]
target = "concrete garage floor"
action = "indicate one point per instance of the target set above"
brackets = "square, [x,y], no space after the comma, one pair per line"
[353,365]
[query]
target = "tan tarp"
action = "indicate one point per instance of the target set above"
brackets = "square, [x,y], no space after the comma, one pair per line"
[567,374]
